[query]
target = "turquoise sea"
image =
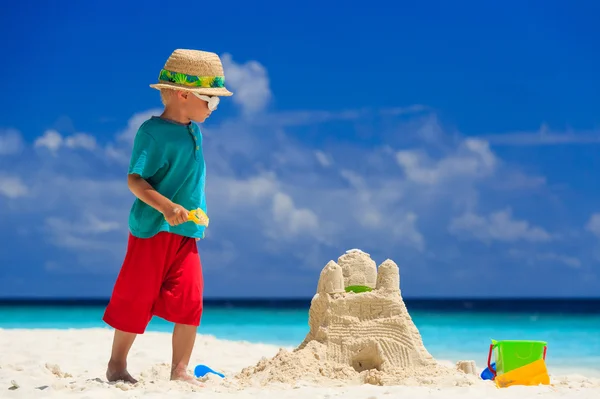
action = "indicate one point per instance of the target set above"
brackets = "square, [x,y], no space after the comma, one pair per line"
[448,333]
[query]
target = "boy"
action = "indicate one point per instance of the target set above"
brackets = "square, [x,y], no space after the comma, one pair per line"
[161,274]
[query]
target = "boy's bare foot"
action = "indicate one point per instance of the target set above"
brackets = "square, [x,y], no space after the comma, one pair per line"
[182,375]
[118,372]
[117,365]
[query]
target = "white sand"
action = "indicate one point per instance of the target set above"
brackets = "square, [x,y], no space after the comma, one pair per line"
[71,363]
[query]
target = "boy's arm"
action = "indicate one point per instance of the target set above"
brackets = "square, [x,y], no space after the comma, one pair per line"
[174,214]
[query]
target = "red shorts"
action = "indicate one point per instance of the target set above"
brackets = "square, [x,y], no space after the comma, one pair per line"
[161,276]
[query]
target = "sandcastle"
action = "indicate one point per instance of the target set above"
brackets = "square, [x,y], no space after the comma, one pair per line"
[359,331]
[366,330]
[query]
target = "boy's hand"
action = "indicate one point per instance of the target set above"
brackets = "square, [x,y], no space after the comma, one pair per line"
[176,215]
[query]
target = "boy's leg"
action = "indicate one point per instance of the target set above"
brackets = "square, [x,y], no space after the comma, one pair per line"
[184,337]
[136,289]
[180,302]
[117,365]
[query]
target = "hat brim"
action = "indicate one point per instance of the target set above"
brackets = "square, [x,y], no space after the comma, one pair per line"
[209,91]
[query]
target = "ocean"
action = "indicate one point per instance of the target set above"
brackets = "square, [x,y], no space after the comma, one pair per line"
[455,329]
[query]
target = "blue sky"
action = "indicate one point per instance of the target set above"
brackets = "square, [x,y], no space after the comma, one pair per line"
[460,141]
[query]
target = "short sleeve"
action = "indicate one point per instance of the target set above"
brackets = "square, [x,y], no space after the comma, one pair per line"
[146,156]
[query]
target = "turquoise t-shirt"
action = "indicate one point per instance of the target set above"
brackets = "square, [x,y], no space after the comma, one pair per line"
[169,156]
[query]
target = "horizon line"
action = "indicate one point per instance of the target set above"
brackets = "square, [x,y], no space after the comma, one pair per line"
[41,299]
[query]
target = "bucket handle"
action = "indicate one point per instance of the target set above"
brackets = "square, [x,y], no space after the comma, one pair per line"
[489,360]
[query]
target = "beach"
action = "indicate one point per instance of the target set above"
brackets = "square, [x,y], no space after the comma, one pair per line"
[49,363]
[357,341]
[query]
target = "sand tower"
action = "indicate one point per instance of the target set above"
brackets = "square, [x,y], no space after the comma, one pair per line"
[358,269]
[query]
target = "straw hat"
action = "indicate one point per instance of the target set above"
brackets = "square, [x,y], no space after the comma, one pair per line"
[193,70]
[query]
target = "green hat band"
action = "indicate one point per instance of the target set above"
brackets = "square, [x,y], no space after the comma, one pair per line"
[191,80]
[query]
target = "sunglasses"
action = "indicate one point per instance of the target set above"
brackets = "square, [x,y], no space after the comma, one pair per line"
[213,102]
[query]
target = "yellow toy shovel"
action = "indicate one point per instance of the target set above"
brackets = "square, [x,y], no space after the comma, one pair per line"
[198,216]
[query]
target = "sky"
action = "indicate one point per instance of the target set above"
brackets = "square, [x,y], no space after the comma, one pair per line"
[459,140]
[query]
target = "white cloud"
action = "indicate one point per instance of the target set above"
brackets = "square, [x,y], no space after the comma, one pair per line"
[134,123]
[117,153]
[11,141]
[519,181]
[250,190]
[313,117]
[81,140]
[53,141]
[593,224]
[89,224]
[249,83]
[406,229]
[306,118]
[86,216]
[536,258]
[293,220]
[498,226]
[376,206]
[12,187]
[83,234]
[265,190]
[543,136]
[357,182]
[323,159]
[570,261]
[472,159]
[411,109]
[431,132]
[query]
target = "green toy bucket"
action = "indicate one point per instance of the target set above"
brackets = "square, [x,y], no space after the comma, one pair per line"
[511,355]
